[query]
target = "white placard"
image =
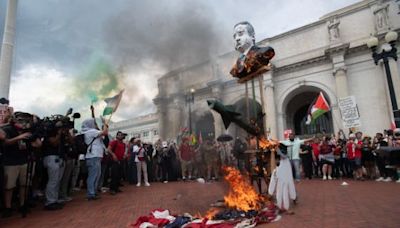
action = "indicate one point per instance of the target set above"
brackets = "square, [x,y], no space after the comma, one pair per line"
[349,112]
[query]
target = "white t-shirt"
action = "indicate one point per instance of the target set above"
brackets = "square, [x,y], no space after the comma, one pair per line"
[97,148]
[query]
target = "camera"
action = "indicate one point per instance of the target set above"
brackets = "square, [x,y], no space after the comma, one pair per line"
[44,127]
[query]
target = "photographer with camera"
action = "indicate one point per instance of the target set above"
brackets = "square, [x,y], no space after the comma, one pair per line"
[55,146]
[94,154]
[18,143]
[70,156]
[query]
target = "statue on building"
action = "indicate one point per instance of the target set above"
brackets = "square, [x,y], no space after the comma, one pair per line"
[333,28]
[253,59]
[381,16]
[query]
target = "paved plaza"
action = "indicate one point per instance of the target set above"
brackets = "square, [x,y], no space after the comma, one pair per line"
[321,204]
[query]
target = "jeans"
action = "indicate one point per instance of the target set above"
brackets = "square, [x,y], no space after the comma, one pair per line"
[94,172]
[64,191]
[296,168]
[55,170]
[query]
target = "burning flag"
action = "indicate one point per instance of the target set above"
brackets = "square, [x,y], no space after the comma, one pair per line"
[112,103]
[242,196]
[317,109]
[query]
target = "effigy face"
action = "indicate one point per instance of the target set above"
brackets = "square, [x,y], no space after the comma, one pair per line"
[254,60]
[242,38]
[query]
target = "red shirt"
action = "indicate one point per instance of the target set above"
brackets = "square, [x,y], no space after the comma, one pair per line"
[118,148]
[186,152]
[352,151]
[358,150]
[315,147]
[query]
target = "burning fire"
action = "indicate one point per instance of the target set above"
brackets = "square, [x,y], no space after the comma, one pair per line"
[242,196]
[267,144]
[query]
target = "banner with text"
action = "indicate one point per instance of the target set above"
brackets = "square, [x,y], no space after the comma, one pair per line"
[349,112]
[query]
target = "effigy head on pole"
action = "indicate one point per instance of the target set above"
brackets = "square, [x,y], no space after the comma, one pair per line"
[254,60]
[244,36]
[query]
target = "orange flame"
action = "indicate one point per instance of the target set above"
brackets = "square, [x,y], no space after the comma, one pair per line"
[242,195]
[211,213]
[267,144]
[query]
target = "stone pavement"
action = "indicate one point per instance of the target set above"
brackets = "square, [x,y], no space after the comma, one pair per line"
[321,204]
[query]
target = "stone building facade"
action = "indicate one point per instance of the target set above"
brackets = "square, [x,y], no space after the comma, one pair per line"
[329,55]
[143,127]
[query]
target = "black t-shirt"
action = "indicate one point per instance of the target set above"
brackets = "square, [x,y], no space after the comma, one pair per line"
[14,154]
[305,148]
[48,148]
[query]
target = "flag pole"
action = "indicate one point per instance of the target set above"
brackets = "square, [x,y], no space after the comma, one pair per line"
[109,119]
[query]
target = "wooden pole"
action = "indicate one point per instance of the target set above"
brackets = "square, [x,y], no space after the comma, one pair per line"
[247,103]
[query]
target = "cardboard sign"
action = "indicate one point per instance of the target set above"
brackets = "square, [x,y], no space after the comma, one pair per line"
[349,112]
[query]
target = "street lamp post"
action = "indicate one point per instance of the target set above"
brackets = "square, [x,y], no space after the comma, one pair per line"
[190,100]
[372,43]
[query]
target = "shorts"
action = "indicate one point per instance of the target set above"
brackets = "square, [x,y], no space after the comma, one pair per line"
[12,173]
[323,162]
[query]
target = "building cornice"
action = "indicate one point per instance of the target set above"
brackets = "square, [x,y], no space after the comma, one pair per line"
[349,9]
[337,49]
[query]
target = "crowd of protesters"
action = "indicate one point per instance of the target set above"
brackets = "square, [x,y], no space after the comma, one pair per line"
[357,156]
[51,167]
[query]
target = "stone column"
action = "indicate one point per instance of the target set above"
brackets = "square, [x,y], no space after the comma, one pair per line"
[339,73]
[175,116]
[162,116]
[337,54]
[270,106]
[342,90]
[281,125]
[7,48]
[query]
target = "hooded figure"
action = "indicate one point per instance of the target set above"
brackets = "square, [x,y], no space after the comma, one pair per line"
[88,124]
[94,154]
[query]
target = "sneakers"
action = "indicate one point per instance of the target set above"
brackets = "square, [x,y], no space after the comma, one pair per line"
[138,184]
[380,179]
[147,184]
[387,179]
[329,178]
[324,178]
[184,178]
[165,182]
[398,181]
[113,193]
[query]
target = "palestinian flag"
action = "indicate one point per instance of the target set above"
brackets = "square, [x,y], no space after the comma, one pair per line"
[112,103]
[317,109]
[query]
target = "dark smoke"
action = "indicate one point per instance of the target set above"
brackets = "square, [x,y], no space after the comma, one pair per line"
[169,34]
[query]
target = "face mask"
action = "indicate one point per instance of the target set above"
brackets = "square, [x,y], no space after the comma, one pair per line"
[292,140]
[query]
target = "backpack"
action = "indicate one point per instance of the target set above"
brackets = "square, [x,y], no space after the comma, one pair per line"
[81,145]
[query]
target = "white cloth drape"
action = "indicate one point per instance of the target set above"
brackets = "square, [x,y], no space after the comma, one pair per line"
[282,182]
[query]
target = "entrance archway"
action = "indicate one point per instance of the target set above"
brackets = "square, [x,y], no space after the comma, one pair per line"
[204,124]
[297,112]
